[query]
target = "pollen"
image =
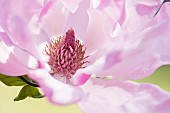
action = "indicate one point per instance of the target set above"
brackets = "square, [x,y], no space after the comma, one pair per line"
[67,55]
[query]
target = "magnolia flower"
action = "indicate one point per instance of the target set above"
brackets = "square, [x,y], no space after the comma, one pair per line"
[120,39]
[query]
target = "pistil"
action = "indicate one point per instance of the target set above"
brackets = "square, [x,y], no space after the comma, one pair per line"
[67,55]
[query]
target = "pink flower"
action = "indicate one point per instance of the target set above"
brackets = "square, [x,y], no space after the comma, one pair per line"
[122,38]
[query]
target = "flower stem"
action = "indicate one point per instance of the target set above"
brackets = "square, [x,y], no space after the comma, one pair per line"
[160,7]
[28,82]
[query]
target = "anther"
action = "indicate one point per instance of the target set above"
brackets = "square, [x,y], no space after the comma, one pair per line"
[67,55]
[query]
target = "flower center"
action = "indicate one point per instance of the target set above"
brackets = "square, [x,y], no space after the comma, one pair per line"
[67,55]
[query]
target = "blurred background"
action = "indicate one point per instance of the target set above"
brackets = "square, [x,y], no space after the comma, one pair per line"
[160,77]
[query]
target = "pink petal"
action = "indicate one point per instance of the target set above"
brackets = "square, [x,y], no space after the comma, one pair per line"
[98,31]
[100,3]
[114,8]
[54,20]
[79,19]
[13,60]
[138,16]
[56,92]
[108,96]
[23,8]
[15,20]
[135,56]
[71,5]
[21,36]
[44,10]
[80,78]
[142,58]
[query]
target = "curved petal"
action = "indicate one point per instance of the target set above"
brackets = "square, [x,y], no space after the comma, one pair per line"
[80,78]
[139,57]
[46,7]
[57,92]
[54,20]
[71,5]
[23,8]
[138,15]
[100,3]
[114,9]
[13,60]
[16,21]
[20,35]
[98,31]
[107,96]
[79,20]
[139,60]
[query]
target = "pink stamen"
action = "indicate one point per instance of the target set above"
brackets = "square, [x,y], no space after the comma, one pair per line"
[66,55]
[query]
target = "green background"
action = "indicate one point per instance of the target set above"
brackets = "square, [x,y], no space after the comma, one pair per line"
[160,77]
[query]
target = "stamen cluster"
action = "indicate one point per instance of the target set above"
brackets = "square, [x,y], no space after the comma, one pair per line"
[66,55]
